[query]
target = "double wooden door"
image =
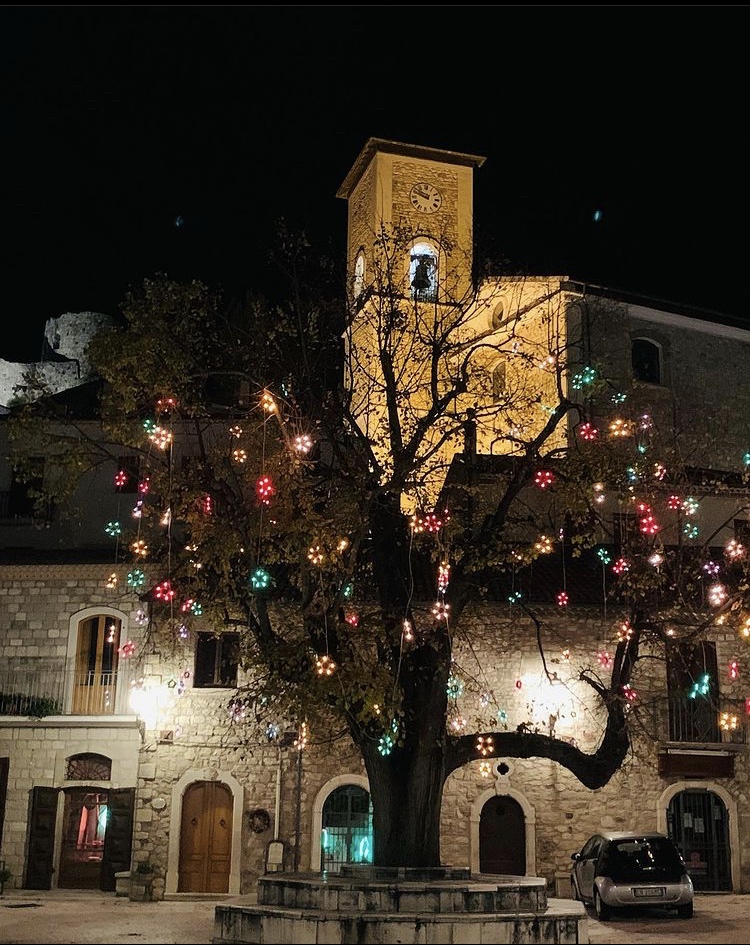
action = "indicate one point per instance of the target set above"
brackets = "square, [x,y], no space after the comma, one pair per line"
[206,838]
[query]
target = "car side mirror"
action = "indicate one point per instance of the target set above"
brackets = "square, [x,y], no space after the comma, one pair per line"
[575,856]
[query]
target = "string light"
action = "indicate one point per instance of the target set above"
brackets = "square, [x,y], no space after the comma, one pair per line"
[264,489]
[300,743]
[543,478]
[485,745]
[325,666]
[588,432]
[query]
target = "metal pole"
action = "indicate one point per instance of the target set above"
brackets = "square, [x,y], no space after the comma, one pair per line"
[298,811]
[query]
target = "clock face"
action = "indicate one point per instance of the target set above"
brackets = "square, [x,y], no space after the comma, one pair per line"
[425,198]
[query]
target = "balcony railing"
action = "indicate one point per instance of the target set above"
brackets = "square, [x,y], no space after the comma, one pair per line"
[35,688]
[707,721]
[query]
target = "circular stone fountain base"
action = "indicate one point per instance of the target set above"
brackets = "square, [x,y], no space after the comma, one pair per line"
[366,905]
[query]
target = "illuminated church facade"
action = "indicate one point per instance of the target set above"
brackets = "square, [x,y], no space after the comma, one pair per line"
[108,763]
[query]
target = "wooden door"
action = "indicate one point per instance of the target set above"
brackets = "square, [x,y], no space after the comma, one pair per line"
[118,840]
[4,769]
[502,837]
[206,838]
[41,846]
[96,666]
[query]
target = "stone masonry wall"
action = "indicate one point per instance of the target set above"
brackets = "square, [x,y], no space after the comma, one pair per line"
[35,615]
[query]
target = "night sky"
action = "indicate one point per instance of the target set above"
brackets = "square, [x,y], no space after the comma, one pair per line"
[138,140]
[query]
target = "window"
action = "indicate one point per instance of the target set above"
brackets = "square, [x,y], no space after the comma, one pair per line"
[216,660]
[423,272]
[347,828]
[88,766]
[95,681]
[359,276]
[692,680]
[496,318]
[498,381]
[646,360]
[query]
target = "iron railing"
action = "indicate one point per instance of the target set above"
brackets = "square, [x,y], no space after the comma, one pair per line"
[707,720]
[37,687]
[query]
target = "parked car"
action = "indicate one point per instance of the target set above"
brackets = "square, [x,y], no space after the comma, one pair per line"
[616,870]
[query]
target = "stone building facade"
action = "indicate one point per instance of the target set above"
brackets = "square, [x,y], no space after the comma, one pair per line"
[114,745]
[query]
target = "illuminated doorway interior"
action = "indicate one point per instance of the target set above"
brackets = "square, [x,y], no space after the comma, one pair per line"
[346,835]
[84,829]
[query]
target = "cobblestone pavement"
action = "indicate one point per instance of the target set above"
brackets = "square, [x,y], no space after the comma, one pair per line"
[717,918]
[73,917]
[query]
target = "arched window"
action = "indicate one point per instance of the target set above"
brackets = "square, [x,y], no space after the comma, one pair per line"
[346,835]
[359,276]
[88,766]
[498,380]
[646,361]
[497,315]
[423,272]
[96,665]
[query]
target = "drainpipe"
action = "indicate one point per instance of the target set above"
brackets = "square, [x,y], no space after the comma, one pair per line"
[277,806]
[298,811]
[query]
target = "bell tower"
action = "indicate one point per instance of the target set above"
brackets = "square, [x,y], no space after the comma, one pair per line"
[394,185]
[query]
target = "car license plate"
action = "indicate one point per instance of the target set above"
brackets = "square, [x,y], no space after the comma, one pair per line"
[649,892]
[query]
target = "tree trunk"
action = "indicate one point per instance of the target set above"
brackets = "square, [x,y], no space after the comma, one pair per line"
[406,788]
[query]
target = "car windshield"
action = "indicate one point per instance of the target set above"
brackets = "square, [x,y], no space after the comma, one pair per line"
[642,860]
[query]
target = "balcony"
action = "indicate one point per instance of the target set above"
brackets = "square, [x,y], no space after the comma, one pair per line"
[38,687]
[707,721]
[702,737]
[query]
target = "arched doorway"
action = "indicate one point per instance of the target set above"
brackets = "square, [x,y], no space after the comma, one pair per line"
[698,822]
[346,828]
[502,837]
[206,838]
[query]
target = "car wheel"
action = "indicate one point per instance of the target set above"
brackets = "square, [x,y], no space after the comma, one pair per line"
[602,910]
[685,912]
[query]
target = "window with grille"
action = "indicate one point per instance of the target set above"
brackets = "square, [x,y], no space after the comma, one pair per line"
[693,686]
[347,828]
[88,766]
